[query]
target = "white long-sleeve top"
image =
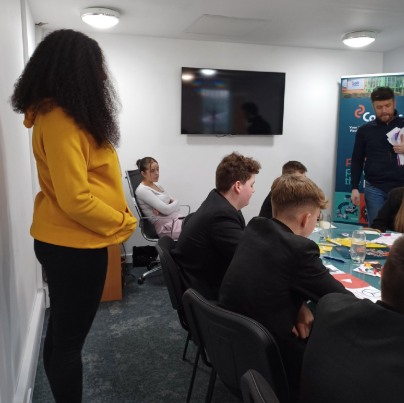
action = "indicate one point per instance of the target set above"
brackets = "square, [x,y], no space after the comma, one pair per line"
[149,199]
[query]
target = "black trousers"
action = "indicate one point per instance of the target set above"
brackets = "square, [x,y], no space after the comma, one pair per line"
[76,280]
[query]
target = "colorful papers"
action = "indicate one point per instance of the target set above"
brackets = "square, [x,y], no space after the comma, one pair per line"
[360,288]
[370,268]
[387,238]
[381,253]
[347,242]
[325,248]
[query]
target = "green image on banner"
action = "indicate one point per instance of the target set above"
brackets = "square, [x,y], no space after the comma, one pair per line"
[344,210]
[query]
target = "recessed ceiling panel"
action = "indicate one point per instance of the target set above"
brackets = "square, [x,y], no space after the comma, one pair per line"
[225,26]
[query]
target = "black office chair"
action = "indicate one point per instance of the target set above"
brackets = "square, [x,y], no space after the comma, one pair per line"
[174,283]
[134,178]
[234,344]
[147,229]
[176,289]
[256,389]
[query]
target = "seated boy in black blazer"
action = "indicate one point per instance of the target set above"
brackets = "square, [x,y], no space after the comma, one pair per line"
[210,237]
[356,350]
[276,269]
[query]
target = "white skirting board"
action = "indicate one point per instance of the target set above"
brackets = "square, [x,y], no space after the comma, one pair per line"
[26,379]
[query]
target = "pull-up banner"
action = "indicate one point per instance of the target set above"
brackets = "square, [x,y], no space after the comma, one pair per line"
[355,109]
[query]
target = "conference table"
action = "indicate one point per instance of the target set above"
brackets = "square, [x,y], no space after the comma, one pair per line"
[343,268]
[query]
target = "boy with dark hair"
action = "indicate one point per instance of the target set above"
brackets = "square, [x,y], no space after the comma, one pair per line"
[290,167]
[275,269]
[210,236]
[356,350]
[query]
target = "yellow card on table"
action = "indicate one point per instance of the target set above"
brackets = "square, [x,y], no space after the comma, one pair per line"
[347,242]
[324,249]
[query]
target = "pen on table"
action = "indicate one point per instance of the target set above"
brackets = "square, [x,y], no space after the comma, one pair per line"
[336,259]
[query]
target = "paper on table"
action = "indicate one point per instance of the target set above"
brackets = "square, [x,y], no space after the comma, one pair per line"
[396,136]
[347,242]
[316,229]
[387,238]
[371,268]
[371,232]
[325,248]
[361,289]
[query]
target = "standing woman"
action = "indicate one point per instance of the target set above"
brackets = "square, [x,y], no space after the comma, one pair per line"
[68,99]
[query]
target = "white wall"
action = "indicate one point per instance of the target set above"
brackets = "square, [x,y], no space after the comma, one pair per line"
[21,299]
[147,71]
[394,61]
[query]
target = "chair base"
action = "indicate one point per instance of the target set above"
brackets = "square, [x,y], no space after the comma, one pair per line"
[155,266]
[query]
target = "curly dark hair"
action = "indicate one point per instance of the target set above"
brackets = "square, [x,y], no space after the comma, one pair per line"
[235,167]
[68,70]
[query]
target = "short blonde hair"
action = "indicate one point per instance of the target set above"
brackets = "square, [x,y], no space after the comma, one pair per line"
[290,192]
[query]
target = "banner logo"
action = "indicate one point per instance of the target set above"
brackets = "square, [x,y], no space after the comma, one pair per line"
[359,111]
[366,116]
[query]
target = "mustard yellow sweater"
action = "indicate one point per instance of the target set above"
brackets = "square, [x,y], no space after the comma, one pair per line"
[81,203]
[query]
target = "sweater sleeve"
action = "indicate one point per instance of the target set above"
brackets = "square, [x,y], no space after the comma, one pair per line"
[357,160]
[68,150]
[149,197]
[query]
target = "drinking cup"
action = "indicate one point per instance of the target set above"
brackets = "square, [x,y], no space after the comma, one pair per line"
[324,223]
[358,246]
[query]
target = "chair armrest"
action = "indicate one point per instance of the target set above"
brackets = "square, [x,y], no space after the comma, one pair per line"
[186,207]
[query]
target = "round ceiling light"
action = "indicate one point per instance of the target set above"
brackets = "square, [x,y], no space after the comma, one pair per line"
[359,39]
[102,18]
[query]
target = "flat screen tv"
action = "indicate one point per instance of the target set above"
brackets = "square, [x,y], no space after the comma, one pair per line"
[231,102]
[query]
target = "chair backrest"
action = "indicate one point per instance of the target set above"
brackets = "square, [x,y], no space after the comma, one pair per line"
[171,273]
[234,344]
[256,389]
[134,178]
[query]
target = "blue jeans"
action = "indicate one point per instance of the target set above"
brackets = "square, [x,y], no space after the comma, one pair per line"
[76,280]
[374,199]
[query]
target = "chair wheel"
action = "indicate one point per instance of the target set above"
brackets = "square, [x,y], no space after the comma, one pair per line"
[140,280]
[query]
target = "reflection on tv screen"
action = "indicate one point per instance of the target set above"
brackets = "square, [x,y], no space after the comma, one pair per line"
[229,102]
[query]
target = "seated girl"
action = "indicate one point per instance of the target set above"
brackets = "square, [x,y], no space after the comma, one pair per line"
[391,215]
[155,202]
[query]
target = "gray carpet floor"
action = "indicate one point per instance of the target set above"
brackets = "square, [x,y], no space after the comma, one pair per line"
[133,352]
